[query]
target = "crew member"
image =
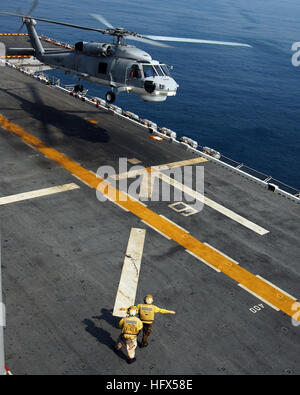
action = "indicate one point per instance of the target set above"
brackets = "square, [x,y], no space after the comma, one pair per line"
[147,312]
[130,327]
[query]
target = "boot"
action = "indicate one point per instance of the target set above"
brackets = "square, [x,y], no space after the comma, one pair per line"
[131,360]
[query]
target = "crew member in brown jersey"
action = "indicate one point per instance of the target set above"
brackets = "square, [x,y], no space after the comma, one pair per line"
[130,328]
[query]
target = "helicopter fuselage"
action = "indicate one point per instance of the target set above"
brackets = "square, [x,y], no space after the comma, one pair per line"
[121,67]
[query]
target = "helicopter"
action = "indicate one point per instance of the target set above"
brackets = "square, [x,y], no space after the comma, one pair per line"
[117,65]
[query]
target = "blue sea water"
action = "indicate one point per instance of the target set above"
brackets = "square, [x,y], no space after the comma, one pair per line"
[243,102]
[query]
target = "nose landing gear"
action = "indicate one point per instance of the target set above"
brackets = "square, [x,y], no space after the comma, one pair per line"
[110,97]
[78,88]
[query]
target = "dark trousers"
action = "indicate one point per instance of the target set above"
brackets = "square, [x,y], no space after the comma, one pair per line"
[147,330]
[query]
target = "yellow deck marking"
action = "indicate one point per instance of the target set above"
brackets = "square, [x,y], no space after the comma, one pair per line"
[259,287]
[182,163]
[149,175]
[158,168]
[134,161]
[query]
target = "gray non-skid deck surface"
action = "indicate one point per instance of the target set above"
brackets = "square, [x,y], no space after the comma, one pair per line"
[62,255]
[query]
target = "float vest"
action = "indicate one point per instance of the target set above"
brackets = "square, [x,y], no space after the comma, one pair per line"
[147,312]
[131,326]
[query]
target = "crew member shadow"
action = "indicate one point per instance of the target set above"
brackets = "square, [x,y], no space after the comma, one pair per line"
[103,336]
[108,317]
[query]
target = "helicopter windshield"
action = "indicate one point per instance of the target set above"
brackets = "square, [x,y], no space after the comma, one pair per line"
[149,71]
[165,70]
[159,71]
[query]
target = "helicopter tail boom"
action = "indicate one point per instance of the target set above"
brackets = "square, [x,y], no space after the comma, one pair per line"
[34,38]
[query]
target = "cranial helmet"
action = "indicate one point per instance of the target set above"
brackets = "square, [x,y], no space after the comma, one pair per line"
[148,299]
[132,311]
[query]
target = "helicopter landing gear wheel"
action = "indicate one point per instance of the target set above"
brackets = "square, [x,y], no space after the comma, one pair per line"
[78,88]
[110,97]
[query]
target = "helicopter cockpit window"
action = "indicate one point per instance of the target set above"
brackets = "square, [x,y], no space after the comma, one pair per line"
[159,71]
[149,71]
[165,70]
[135,72]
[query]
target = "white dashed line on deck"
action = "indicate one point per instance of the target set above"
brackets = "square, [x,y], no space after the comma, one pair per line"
[279,289]
[203,261]
[226,256]
[258,297]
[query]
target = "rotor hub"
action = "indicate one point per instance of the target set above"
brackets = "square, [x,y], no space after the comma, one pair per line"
[121,32]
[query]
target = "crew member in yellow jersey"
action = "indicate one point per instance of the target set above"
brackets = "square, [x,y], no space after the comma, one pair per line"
[130,327]
[147,313]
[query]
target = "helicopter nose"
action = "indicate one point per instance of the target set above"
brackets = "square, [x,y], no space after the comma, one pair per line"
[168,85]
[159,88]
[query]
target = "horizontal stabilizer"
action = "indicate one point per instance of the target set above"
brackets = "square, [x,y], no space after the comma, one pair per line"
[20,52]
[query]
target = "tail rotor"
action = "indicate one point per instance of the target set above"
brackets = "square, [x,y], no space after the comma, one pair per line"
[32,8]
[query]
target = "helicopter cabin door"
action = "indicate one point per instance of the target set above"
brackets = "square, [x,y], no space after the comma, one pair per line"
[134,76]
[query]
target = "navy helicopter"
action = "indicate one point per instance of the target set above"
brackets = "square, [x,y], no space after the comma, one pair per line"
[122,67]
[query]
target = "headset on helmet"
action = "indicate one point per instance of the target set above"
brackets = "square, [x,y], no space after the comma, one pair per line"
[148,299]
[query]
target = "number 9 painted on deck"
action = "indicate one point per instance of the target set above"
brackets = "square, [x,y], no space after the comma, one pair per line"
[296,316]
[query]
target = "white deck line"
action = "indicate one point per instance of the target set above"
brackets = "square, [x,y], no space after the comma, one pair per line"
[137,200]
[117,204]
[147,186]
[79,179]
[222,253]
[258,297]
[130,272]
[156,230]
[167,219]
[38,193]
[188,162]
[158,168]
[203,261]
[216,206]
[274,286]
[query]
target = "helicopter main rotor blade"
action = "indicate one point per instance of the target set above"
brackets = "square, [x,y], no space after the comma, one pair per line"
[132,37]
[147,41]
[56,22]
[128,36]
[123,33]
[33,7]
[102,20]
[196,41]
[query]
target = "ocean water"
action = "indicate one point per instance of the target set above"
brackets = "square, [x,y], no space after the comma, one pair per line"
[243,102]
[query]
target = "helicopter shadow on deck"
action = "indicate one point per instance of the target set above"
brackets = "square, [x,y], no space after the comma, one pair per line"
[68,122]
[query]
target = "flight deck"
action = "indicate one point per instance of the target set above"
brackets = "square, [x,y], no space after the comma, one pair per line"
[226,262]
